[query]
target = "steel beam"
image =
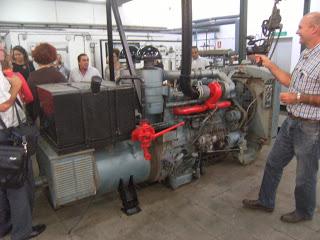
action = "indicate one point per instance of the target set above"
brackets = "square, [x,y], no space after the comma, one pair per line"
[127,52]
[243,29]
[110,40]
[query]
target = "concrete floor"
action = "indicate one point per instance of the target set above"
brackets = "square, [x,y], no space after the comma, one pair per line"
[209,208]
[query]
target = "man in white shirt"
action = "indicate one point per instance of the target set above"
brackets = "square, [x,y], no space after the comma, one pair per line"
[84,72]
[197,61]
[59,64]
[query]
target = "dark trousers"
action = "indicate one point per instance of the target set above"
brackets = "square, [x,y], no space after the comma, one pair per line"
[16,205]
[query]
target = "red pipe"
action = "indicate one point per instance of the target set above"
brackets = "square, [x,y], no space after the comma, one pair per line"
[215,93]
[200,108]
[158,134]
[145,134]
[211,103]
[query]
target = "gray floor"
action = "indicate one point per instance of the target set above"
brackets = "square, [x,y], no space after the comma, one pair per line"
[209,208]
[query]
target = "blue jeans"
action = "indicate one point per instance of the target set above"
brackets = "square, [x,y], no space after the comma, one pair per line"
[301,139]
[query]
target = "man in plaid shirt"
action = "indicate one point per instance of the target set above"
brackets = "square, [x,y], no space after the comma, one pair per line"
[299,135]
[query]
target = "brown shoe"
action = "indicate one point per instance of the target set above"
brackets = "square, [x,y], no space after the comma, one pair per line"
[255,204]
[294,217]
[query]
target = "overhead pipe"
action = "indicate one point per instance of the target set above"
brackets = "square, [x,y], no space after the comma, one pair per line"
[196,74]
[216,18]
[185,80]
[215,23]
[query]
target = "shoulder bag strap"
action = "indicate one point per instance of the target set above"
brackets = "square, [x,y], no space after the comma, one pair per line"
[17,112]
[3,125]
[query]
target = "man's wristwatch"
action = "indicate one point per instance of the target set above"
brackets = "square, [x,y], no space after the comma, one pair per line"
[298,97]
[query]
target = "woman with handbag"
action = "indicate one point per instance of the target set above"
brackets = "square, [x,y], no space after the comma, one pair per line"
[15,203]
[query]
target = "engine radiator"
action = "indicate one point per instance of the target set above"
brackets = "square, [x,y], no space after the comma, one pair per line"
[70,177]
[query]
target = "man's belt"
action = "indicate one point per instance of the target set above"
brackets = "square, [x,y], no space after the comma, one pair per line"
[302,119]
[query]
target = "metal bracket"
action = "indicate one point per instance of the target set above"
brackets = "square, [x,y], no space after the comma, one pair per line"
[129,197]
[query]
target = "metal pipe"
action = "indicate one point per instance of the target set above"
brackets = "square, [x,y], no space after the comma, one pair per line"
[195,74]
[101,60]
[62,26]
[183,103]
[184,80]
[243,29]
[236,34]
[214,23]
[215,18]
[128,55]
[110,40]
[201,108]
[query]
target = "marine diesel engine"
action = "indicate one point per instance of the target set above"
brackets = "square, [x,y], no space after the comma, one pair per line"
[154,125]
[87,142]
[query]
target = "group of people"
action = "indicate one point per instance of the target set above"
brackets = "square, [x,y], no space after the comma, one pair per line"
[299,135]
[16,204]
[18,81]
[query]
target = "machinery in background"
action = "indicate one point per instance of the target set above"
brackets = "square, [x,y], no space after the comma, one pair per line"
[154,125]
[269,27]
[220,57]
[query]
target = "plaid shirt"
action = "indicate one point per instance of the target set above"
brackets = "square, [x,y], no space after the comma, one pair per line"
[305,79]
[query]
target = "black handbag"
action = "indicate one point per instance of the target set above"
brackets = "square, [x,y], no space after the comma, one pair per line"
[13,165]
[27,129]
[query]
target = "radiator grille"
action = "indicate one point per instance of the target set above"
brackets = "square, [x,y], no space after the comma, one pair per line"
[73,178]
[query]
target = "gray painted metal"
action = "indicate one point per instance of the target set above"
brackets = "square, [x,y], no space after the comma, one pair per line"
[237,34]
[153,90]
[215,18]
[110,41]
[120,161]
[130,64]
[60,26]
[197,74]
[70,177]
[243,29]
[214,23]
[269,117]
[123,37]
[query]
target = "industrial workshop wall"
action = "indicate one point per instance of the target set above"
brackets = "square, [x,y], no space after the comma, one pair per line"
[164,13]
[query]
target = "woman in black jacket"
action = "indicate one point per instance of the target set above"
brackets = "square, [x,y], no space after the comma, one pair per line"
[21,62]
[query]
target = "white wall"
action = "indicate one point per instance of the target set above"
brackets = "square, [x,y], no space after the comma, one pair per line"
[164,13]
[315,5]
[45,11]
